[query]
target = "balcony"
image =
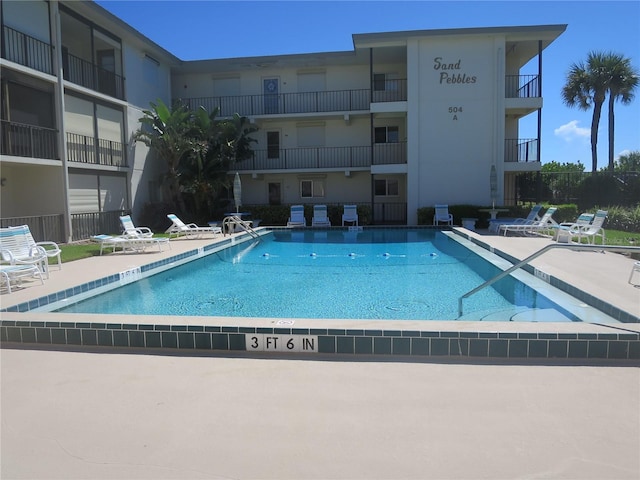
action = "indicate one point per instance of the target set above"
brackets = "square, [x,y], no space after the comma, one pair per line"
[84,149]
[89,75]
[25,50]
[390,90]
[305,102]
[521,150]
[22,140]
[325,158]
[522,86]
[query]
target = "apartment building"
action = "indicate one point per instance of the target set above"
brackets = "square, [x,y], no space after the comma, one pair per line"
[74,82]
[402,121]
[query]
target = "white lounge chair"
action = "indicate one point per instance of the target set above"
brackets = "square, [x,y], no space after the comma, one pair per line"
[566,230]
[592,230]
[296,217]
[320,218]
[545,223]
[350,215]
[17,248]
[190,230]
[129,244]
[16,273]
[494,225]
[130,230]
[442,215]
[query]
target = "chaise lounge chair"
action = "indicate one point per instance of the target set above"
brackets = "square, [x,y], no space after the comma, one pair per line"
[494,225]
[129,244]
[191,230]
[545,223]
[16,273]
[350,215]
[296,217]
[442,215]
[18,248]
[591,230]
[566,230]
[320,218]
[130,230]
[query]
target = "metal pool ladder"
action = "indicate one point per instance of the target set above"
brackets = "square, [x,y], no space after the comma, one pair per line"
[233,221]
[584,248]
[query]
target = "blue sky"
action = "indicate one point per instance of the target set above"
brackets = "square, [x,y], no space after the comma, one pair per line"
[194,30]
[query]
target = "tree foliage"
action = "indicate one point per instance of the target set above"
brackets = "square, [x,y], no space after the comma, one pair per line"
[198,150]
[587,86]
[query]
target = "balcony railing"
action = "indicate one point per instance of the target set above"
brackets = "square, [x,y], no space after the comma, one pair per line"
[21,48]
[521,150]
[82,149]
[23,140]
[86,74]
[305,102]
[391,90]
[389,153]
[522,86]
[324,157]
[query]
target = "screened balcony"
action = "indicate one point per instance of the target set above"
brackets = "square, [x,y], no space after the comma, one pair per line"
[89,75]
[89,150]
[25,50]
[22,140]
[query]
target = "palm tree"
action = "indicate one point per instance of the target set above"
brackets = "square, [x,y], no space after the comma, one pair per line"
[588,84]
[170,133]
[624,80]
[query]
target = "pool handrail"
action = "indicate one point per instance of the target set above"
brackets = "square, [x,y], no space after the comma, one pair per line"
[585,248]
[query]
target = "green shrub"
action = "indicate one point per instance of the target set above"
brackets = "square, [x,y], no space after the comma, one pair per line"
[599,190]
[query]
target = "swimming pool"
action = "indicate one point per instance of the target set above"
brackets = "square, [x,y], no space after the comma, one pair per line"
[403,274]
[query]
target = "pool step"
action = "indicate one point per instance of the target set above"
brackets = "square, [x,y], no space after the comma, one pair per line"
[517,314]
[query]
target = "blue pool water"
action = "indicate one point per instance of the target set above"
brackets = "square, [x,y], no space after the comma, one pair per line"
[372,274]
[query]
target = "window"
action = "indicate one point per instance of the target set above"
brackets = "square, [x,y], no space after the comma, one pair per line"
[386,135]
[386,188]
[150,69]
[311,188]
[383,82]
[273,144]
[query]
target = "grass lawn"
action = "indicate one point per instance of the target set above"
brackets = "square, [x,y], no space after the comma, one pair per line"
[77,251]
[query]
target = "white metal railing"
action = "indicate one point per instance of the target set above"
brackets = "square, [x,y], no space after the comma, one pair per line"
[585,248]
[231,222]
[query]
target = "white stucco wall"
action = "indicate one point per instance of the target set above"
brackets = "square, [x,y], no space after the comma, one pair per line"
[455,124]
[30,190]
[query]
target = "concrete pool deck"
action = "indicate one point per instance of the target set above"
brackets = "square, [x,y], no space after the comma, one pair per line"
[107,413]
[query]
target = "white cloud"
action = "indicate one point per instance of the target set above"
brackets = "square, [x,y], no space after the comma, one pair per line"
[623,152]
[570,131]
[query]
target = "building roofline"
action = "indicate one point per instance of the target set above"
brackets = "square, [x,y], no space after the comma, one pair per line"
[364,39]
[124,28]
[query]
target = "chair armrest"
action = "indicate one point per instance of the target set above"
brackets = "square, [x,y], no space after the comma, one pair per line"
[49,247]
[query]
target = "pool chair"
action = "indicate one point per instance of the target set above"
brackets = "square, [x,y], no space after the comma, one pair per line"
[320,218]
[130,230]
[16,273]
[179,228]
[442,215]
[129,244]
[350,215]
[564,232]
[296,217]
[591,230]
[18,248]
[494,225]
[542,226]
